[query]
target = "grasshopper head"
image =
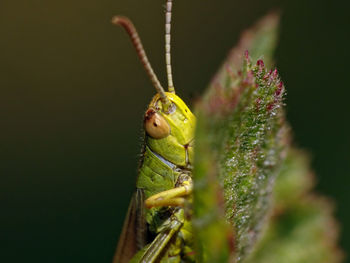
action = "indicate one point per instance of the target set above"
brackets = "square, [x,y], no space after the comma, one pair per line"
[169,124]
[169,132]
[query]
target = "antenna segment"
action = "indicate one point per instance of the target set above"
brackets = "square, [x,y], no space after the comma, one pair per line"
[167,46]
[136,41]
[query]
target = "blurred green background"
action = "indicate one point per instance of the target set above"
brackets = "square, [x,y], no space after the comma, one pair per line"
[73,95]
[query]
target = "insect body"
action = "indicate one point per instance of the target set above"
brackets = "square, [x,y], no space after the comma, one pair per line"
[157,227]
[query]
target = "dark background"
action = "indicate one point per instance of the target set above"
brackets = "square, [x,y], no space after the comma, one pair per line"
[72,96]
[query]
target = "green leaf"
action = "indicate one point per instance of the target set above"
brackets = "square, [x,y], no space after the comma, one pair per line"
[242,140]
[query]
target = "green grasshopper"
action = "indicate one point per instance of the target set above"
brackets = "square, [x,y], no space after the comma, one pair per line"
[157,227]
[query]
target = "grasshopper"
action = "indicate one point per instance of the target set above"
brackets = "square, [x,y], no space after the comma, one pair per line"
[157,227]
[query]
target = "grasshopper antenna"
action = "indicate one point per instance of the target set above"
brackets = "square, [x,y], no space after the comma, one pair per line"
[136,41]
[169,5]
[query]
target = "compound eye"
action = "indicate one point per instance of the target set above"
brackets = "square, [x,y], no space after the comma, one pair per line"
[155,125]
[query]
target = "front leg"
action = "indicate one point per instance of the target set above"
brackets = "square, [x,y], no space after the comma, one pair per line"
[172,197]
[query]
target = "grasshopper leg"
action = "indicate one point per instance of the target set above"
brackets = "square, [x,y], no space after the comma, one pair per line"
[160,245]
[172,197]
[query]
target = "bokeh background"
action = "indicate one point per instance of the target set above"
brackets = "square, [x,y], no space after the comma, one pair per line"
[73,93]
